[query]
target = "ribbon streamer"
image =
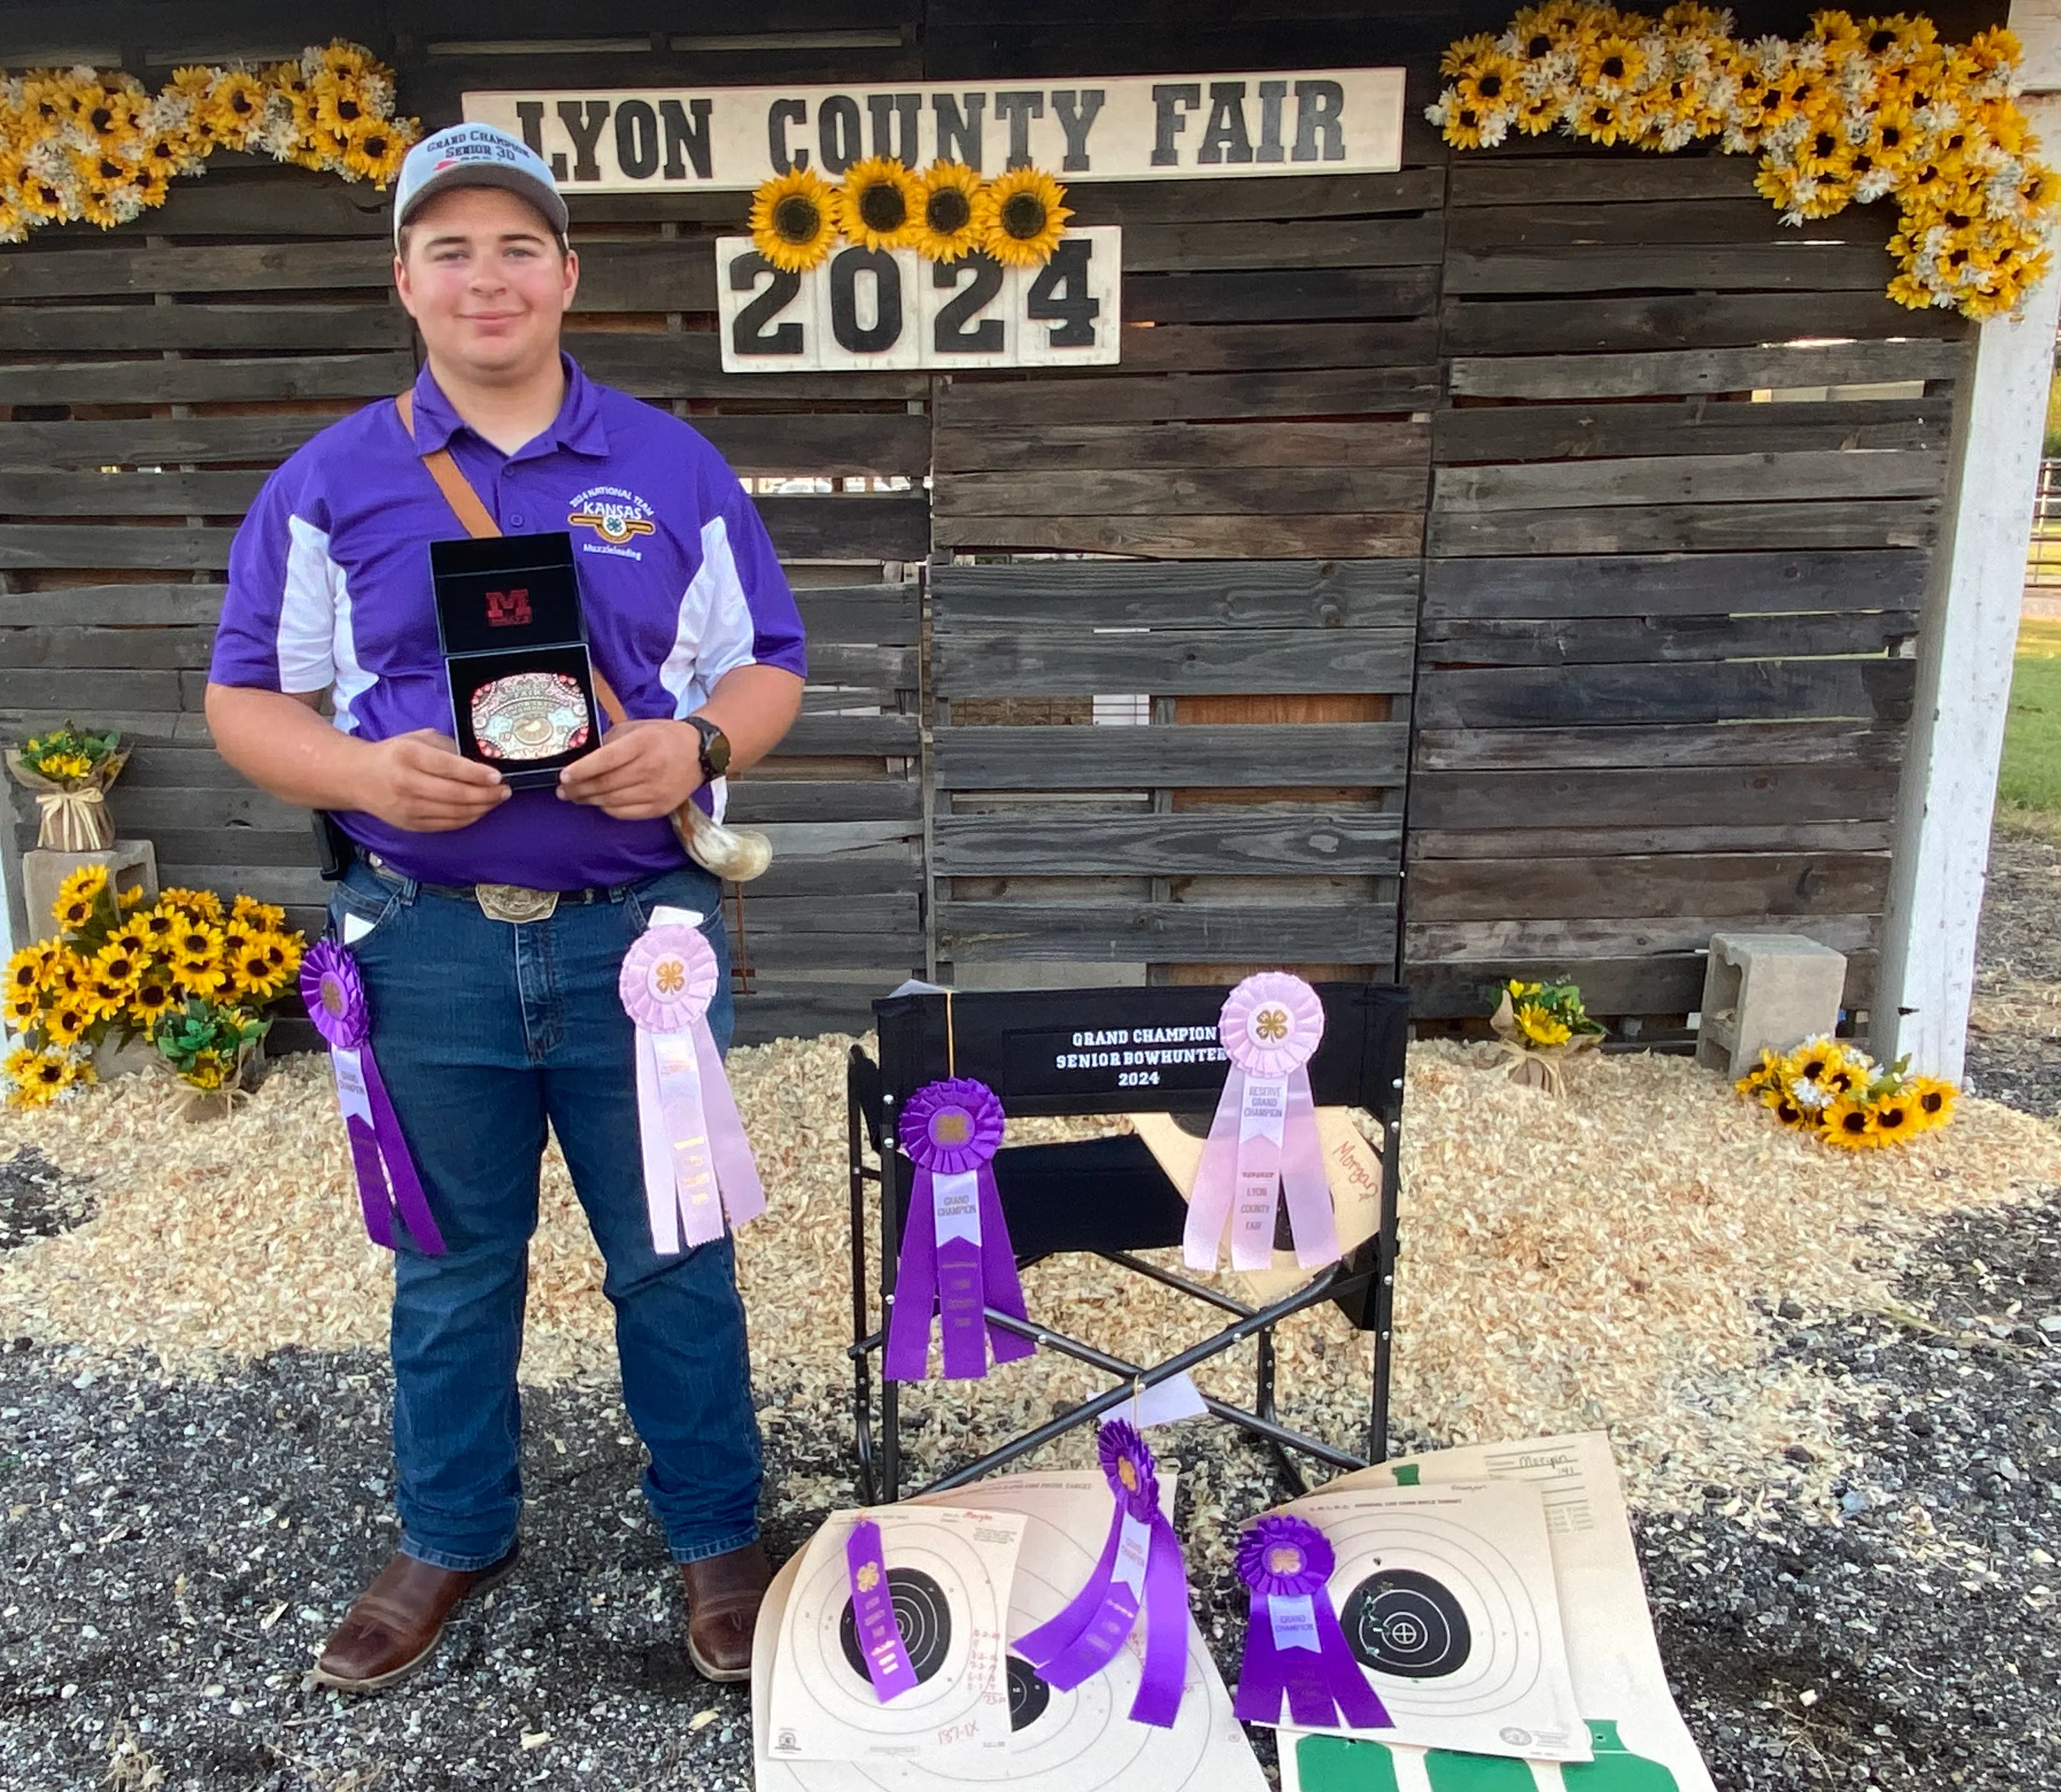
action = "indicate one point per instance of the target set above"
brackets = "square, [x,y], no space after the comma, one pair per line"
[387,1184]
[698,1163]
[873,1614]
[1140,1569]
[1264,1139]
[1293,1647]
[956,1257]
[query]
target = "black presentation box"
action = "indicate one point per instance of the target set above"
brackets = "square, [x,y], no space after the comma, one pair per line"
[514,648]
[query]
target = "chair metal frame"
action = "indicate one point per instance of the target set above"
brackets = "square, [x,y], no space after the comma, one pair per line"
[929,1035]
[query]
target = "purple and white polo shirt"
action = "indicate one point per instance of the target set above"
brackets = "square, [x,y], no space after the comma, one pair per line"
[329,589]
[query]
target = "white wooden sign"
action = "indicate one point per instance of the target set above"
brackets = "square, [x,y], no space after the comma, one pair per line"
[874,310]
[1101,127]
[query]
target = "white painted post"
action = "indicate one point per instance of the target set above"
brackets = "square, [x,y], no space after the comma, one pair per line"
[1966,643]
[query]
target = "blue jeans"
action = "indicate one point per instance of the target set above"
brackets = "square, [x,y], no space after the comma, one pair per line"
[483,1030]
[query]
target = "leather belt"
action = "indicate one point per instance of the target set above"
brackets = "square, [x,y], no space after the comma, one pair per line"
[513,903]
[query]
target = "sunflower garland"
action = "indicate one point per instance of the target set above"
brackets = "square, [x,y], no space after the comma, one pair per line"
[1858,110]
[177,971]
[92,145]
[1837,1093]
[944,214]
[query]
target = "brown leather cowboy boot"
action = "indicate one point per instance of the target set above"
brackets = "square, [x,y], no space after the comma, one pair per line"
[393,1628]
[723,1594]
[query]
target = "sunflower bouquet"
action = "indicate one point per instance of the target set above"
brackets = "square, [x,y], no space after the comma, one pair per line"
[70,770]
[1539,1025]
[94,144]
[1856,111]
[1837,1093]
[945,213]
[181,972]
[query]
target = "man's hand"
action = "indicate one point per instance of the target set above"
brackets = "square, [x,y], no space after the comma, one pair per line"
[418,782]
[643,770]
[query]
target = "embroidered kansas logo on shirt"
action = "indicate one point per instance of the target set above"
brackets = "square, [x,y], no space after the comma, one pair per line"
[616,515]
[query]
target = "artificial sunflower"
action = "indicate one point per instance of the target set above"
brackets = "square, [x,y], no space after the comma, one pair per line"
[204,903]
[131,939]
[26,971]
[949,227]
[265,916]
[115,968]
[250,969]
[1024,215]
[794,220]
[159,926]
[1541,1025]
[1896,1119]
[236,107]
[68,1022]
[1933,1097]
[21,1011]
[1849,1124]
[47,1075]
[880,204]
[86,883]
[73,913]
[156,994]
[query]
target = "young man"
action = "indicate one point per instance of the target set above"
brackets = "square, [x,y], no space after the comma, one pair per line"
[490,924]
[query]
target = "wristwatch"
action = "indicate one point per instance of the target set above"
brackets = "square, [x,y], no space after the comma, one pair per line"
[715,747]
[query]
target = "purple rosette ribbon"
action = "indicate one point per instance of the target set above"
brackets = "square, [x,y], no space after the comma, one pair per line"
[880,1641]
[698,1162]
[1264,1140]
[1293,1647]
[387,1184]
[1140,1568]
[956,1256]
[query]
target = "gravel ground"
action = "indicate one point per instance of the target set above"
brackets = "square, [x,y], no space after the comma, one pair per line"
[175,1549]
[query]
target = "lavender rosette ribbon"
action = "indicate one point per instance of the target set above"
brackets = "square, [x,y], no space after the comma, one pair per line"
[1263,1141]
[956,1255]
[387,1184]
[1140,1569]
[880,1641]
[1293,1647]
[698,1162]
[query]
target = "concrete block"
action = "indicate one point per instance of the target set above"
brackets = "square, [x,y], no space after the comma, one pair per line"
[131,865]
[1766,990]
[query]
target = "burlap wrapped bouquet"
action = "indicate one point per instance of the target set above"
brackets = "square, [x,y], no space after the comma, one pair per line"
[70,771]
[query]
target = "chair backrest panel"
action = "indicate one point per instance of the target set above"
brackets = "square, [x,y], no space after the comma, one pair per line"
[1119,1051]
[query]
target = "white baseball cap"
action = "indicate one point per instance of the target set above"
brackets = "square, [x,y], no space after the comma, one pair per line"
[477,155]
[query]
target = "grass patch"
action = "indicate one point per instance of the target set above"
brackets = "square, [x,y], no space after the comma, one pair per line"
[2029,782]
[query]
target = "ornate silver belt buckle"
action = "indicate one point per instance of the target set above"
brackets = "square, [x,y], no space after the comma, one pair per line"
[514,902]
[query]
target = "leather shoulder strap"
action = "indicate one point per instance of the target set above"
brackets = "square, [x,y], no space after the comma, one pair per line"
[465,502]
[478,522]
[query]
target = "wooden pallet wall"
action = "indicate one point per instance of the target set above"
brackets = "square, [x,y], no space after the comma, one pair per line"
[1667,657]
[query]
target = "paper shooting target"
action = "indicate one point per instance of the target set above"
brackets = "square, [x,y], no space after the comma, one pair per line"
[1401,1622]
[923,1615]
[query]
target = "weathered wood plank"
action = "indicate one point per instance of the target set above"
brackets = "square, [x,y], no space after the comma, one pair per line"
[1775,743]
[842,527]
[1193,756]
[155,441]
[1674,584]
[1750,221]
[1266,845]
[1704,370]
[1254,347]
[1205,538]
[836,736]
[1565,941]
[1389,444]
[762,801]
[1800,267]
[1692,479]
[169,494]
[688,364]
[1242,491]
[1667,529]
[26,546]
[84,605]
[1590,178]
[1572,325]
[1278,296]
[1786,690]
[828,442]
[1680,796]
[1670,983]
[963,402]
[1504,642]
[1172,662]
[1330,243]
[53,645]
[1614,843]
[1062,595]
[1695,426]
[38,328]
[970,932]
[1651,886]
[885,615]
[159,382]
[1141,203]
[315,267]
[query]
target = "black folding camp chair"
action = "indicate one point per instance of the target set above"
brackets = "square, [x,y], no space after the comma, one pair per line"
[1109,1197]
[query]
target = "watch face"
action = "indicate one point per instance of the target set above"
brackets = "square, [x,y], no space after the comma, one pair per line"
[715,749]
[529,716]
